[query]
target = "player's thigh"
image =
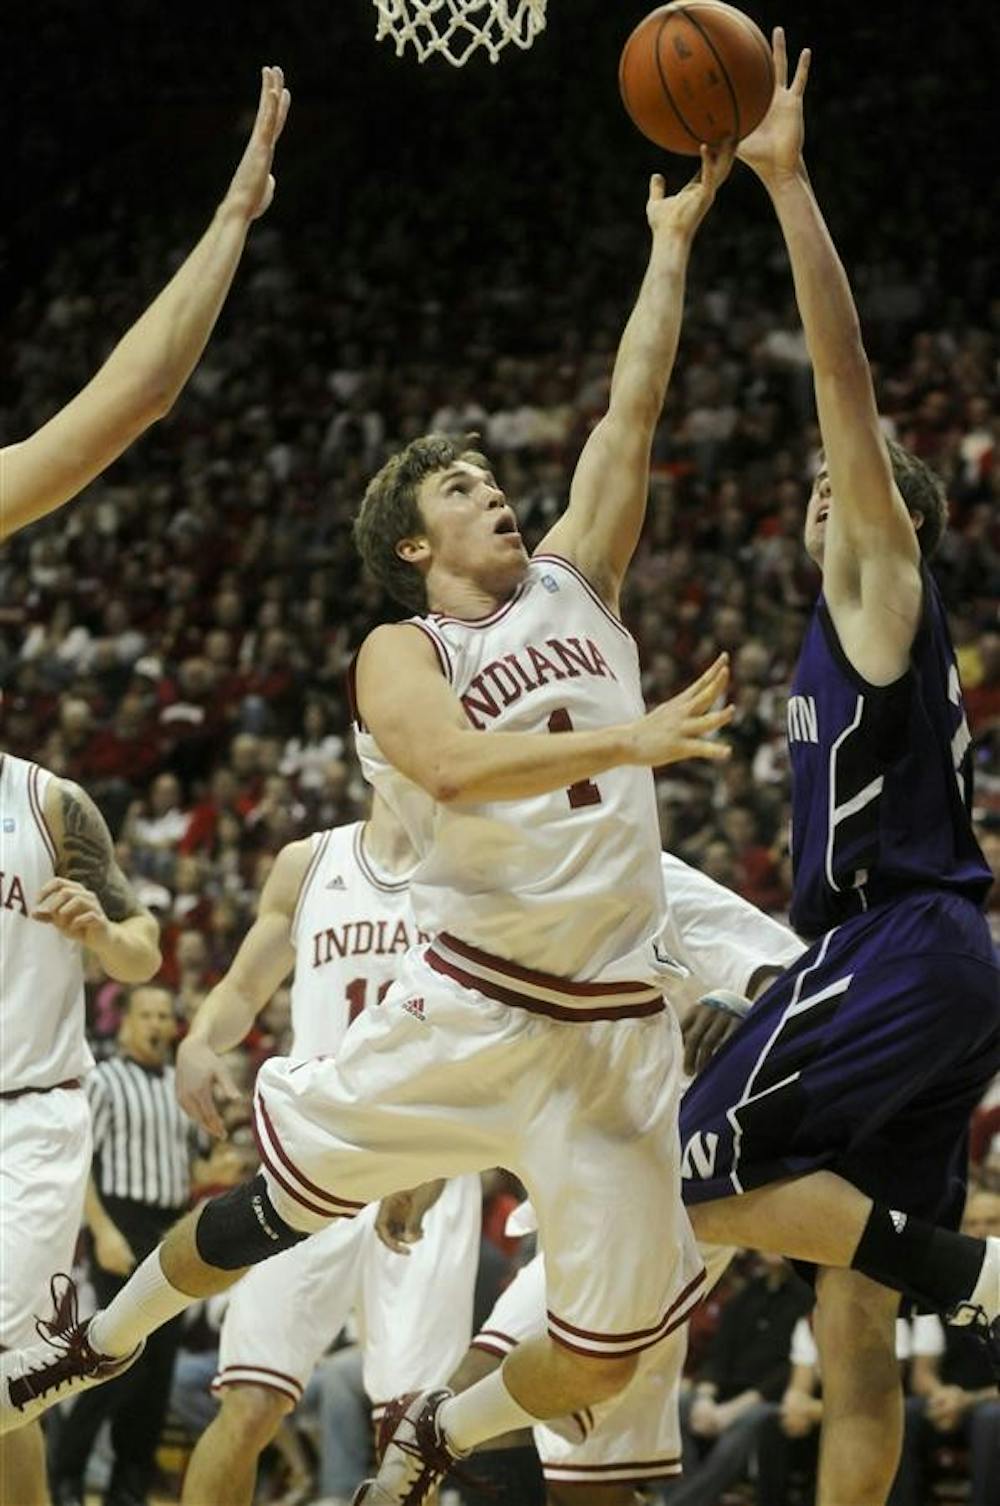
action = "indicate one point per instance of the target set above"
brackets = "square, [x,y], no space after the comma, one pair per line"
[286,1312]
[429,1084]
[44,1161]
[601,1166]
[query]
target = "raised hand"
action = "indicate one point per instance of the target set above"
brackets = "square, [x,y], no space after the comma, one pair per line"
[685,210]
[684,726]
[774,149]
[252,188]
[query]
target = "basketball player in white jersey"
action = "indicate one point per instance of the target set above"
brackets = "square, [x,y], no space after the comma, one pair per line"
[731,950]
[144,374]
[532,1032]
[336,908]
[60,890]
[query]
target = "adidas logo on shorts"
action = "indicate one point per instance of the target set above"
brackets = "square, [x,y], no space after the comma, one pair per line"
[336,883]
[416,1008]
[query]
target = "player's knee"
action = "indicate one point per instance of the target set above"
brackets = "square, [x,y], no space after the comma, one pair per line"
[254,1412]
[242,1227]
[599,1377]
[590,1495]
[855,1326]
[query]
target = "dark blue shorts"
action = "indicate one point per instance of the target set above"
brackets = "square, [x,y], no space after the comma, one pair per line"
[867,1058]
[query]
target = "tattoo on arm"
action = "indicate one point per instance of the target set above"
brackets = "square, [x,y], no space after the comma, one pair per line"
[88,855]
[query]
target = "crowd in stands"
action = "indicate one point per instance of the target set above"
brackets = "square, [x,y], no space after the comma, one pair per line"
[177,640]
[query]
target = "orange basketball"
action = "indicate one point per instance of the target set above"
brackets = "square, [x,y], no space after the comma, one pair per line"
[695,71]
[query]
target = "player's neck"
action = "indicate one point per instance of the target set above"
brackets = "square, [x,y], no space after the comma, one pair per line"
[459,596]
[386,845]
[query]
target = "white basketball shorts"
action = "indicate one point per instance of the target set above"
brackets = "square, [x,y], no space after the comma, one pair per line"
[441,1080]
[631,1438]
[45,1151]
[414,1311]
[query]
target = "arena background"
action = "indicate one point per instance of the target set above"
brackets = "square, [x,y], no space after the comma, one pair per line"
[448,247]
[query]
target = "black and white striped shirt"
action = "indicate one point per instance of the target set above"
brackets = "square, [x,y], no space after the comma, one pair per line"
[143,1140]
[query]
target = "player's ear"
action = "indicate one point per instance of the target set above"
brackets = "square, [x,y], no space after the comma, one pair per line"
[414,550]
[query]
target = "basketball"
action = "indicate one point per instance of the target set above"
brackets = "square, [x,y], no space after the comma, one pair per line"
[696,71]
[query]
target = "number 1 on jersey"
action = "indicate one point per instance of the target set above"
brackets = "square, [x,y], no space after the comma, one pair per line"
[585,791]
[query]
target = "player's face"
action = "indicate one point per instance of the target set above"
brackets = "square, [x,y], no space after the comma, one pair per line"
[817,514]
[472,532]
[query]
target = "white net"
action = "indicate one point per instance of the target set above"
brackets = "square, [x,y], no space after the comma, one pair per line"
[457,28]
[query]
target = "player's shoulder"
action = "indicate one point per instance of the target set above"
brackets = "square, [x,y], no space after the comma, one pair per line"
[287,875]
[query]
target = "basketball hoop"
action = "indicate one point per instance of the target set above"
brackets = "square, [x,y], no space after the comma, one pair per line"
[458,28]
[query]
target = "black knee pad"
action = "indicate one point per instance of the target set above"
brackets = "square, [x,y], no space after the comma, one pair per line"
[242,1228]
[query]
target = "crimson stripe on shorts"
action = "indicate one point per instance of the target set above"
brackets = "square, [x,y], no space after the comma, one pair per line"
[38,811]
[645,1469]
[638,1333]
[645,1338]
[577,573]
[538,1006]
[532,975]
[289,1164]
[284,1182]
[229,1376]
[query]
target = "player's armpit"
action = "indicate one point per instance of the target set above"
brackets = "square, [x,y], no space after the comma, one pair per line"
[85,850]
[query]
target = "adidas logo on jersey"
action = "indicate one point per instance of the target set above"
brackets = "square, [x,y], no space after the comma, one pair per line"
[416,1008]
[550,583]
[336,883]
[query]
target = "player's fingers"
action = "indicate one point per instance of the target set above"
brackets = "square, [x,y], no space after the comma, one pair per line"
[283,106]
[707,722]
[206,1113]
[695,748]
[802,72]
[780,57]
[226,1087]
[657,187]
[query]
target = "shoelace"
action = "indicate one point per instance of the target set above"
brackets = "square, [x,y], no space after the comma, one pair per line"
[427,1448]
[68,1336]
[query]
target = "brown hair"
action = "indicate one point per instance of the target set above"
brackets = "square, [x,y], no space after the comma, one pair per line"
[390,512]
[923,491]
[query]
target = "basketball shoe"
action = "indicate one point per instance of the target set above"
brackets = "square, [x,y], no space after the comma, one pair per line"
[415,1454]
[59,1365]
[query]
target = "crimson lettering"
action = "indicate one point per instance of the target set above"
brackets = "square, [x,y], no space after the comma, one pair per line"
[516,674]
[12,893]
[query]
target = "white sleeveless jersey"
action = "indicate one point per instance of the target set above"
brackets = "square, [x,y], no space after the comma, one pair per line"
[567,883]
[351,930]
[42,1039]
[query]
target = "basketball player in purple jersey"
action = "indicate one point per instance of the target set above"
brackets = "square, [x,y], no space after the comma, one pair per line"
[144,374]
[869,1055]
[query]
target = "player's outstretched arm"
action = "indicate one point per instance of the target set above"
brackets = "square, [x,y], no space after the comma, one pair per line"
[607,504]
[144,374]
[264,960]
[90,900]
[871,554]
[422,729]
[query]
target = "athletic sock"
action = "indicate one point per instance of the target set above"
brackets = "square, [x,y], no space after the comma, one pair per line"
[145,1302]
[934,1266]
[485,1411]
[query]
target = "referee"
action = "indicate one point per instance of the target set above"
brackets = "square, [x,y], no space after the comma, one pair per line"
[143,1144]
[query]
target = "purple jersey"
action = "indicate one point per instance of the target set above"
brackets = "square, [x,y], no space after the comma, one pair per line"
[881,777]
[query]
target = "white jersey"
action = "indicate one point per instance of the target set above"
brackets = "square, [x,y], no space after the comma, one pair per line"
[351,929]
[42,1040]
[567,883]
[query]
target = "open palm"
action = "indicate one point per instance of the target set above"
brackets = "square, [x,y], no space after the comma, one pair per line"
[775,147]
